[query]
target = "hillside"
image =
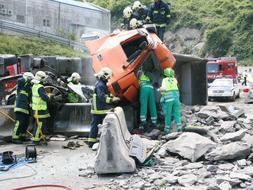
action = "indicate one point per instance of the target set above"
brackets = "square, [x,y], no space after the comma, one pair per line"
[24,45]
[204,28]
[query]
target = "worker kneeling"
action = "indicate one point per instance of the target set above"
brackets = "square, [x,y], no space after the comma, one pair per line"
[170,100]
[100,103]
[39,106]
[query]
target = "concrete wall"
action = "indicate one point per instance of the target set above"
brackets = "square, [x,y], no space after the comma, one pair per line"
[55,16]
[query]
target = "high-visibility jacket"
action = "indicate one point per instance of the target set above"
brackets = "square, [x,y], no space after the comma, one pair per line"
[144,80]
[171,89]
[101,98]
[159,13]
[22,96]
[39,101]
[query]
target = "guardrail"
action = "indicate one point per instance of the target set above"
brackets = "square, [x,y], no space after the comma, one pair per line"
[22,29]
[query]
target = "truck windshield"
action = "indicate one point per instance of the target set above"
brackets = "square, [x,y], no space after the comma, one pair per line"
[212,68]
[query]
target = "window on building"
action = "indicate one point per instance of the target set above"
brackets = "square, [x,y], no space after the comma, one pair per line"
[46,22]
[21,18]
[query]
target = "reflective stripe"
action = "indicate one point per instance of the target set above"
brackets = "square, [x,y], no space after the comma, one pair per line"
[155,12]
[23,92]
[14,132]
[168,16]
[161,25]
[146,86]
[37,134]
[94,106]
[41,116]
[21,110]
[92,140]
[108,99]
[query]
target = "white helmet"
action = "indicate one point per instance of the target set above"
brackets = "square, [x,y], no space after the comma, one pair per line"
[105,72]
[28,76]
[134,23]
[127,12]
[137,5]
[40,76]
[75,77]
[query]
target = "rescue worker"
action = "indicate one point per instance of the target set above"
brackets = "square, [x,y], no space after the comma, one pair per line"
[74,80]
[100,103]
[159,15]
[140,12]
[170,100]
[22,108]
[127,15]
[134,23]
[39,106]
[245,75]
[147,100]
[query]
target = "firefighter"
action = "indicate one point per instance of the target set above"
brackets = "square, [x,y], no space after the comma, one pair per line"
[100,103]
[74,80]
[170,100]
[134,23]
[159,15]
[22,108]
[140,12]
[147,100]
[39,106]
[127,15]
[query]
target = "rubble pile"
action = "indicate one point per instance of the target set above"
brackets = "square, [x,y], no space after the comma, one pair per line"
[215,152]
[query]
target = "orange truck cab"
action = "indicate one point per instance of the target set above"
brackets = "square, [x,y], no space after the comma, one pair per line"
[126,52]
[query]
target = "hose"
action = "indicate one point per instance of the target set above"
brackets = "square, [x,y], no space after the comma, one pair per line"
[44,185]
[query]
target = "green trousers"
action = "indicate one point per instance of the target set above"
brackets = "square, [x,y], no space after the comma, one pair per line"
[171,106]
[147,101]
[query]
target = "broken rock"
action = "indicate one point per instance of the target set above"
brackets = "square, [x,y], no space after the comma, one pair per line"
[190,145]
[187,180]
[234,150]
[234,136]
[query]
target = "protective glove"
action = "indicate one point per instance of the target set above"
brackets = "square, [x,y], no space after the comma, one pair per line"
[115,99]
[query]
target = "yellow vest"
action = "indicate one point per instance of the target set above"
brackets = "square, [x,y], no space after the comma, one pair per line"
[170,84]
[37,102]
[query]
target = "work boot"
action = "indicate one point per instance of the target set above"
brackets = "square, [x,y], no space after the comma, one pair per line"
[17,141]
[24,138]
[179,129]
[167,130]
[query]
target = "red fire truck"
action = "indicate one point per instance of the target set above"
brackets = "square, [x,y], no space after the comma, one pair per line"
[223,66]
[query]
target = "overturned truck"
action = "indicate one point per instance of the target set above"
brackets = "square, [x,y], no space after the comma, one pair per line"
[125,52]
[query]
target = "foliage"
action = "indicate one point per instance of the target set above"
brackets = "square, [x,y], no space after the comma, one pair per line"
[226,24]
[23,45]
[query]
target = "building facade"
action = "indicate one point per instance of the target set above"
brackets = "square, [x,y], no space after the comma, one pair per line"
[61,17]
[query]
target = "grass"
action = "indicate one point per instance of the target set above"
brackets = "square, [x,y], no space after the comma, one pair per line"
[23,45]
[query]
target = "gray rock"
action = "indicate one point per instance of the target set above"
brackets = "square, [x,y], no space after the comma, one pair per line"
[198,147]
[171,136]
[171,179]
[247,170]
[226,166]
[242,163]
[213,188]
[234,136]
[233,182]
[211,168]
[228,126]
[191,166]
[212,111]
[240,176]
[187,180]
[138,185]
[248,139]
[234,150]
[225,186]
[162,152]
[159,182]
[153,134]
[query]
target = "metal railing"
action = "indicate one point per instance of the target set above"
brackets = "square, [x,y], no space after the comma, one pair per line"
[27,31]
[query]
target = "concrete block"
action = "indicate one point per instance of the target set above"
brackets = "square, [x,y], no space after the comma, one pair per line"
[112,155]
